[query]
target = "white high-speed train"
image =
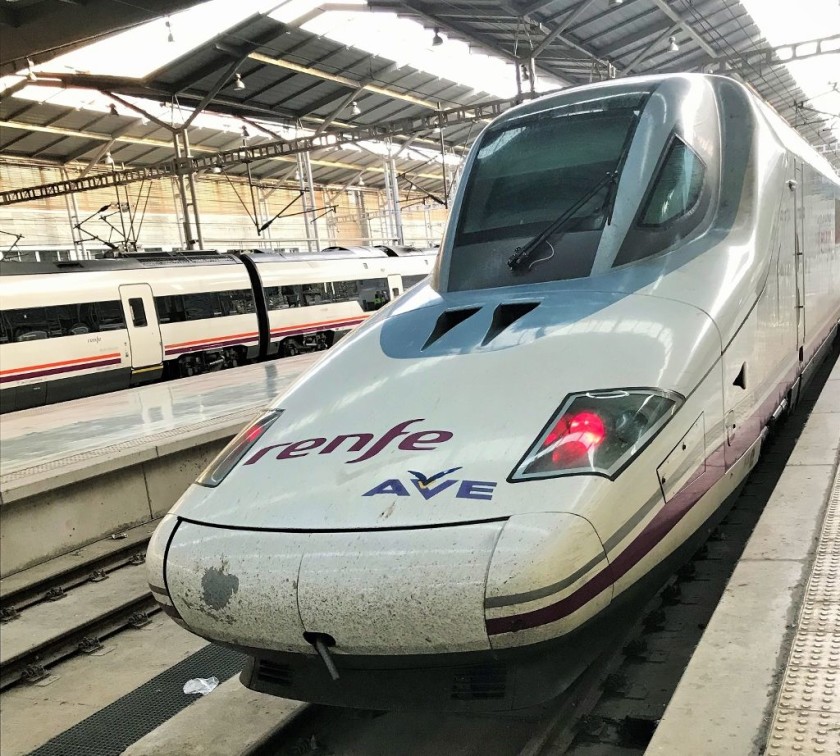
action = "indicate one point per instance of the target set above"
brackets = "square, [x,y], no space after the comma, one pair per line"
[71,329]
[463,500]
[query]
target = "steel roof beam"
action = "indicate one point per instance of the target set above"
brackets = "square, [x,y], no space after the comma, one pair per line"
[687,27]
[646,51]
[282,150]
[561,27]
[309,71]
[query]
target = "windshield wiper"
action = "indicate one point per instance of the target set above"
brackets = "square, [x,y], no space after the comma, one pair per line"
[523,254]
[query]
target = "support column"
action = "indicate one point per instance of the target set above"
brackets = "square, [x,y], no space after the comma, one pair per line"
[193,192]
[428,222]
[304,201]
[263,205]
[79,251]
[313,205]
[443,166]
[189,242]
[395,198]
[361,214]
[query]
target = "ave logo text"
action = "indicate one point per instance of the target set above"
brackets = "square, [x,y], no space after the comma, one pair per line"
[435,485]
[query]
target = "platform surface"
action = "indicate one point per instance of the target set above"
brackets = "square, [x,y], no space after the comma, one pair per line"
[765,677]
[48,435]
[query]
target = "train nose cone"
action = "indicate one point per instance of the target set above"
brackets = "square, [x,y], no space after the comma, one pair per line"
[549,574]
[412,591]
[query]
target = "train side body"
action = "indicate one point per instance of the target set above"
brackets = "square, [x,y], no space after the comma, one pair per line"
[77,329]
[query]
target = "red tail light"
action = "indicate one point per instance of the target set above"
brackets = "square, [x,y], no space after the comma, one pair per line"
[573,437]
[597,432]
[230,456]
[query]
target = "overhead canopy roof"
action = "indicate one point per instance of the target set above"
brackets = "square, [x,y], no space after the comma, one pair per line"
[292,76]
[583,40]
[39,29]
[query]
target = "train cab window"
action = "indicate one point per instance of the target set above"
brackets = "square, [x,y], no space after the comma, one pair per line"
[548,172]
[138,312]
[677,188]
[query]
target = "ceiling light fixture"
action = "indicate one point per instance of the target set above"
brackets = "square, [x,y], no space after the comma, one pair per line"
[169,37]
[237,81]
[355,109]
[672,44]
[216,169]
[437,40]
[30,74]
[245,132]
[361,181]
[113,109]
[108,159]
[616,3]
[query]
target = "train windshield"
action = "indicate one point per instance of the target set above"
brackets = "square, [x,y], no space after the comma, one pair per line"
[557,165]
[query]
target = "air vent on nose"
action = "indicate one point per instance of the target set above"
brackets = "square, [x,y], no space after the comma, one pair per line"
[447,321]
[274,674]
[505,315]
[484,682]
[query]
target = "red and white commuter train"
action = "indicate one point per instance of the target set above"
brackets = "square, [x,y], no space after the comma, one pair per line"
[71,329]
[461,503]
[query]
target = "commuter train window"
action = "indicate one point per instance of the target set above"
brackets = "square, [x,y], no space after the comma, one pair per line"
[677,188]
[316,293]
[4,330]
[170,309]
[110,315]
[237,302]
[374,294]
[410,281]
[202,306]
[138,312]
[75,319]
[346,291]
[281,297]
[28,324]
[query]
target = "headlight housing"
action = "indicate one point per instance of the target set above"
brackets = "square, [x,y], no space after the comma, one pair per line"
[597,433]
[238,447]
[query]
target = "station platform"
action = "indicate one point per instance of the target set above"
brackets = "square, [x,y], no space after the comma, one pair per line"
[119,459]
[765,677]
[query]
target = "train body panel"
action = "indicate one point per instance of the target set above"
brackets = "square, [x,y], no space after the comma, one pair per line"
[116,323]
[465,498]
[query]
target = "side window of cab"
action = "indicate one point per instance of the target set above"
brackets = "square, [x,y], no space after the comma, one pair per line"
[674,204]
[677,188]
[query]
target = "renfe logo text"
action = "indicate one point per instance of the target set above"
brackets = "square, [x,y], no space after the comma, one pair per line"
[352,443]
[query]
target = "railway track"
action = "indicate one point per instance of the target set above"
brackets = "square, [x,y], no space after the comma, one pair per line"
[71,604]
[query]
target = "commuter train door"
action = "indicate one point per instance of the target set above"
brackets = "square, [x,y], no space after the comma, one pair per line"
[143,327]
[798,251]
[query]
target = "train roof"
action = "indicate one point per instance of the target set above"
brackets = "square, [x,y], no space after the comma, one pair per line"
[139,260]
[129,262]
